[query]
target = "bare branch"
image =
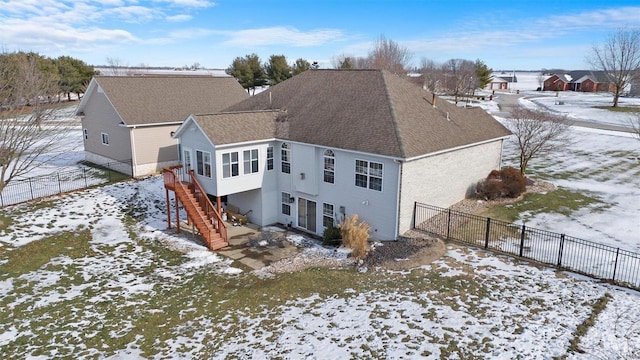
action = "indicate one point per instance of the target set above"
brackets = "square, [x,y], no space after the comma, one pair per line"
[537,133]
[619,59]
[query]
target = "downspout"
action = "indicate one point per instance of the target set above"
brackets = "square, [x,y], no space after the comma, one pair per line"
[134,163]
[398,198]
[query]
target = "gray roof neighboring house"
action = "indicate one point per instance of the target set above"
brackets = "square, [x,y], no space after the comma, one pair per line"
[157,99]
[370,111]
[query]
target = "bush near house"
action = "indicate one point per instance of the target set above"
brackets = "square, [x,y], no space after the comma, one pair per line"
[331,236]
[507,182]
[355,235]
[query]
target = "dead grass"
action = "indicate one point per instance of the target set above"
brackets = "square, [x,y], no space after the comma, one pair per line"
[355,235]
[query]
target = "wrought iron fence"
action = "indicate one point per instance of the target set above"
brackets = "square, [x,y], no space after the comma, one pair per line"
[37,187]
[585,257]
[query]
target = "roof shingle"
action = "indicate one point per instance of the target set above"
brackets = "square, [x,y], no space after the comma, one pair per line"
[157,99]
[371,111]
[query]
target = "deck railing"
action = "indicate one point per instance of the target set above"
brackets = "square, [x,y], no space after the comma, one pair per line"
[203,200]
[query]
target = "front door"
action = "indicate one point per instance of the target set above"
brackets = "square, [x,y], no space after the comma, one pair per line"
[186,163]
[307,214]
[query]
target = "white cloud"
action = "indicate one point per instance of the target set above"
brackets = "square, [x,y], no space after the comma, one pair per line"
[608,18]
[281,36]
[133,14]
[179,18]
[182,34]
[188,3]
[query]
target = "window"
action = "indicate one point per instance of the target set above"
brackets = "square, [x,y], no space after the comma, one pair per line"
[369,174]
[285,155]
[250,158]
[203,163]
[327,215]
[230,166]
[286,203]
[270,158]
[329,166]
[85,132]
[105,138]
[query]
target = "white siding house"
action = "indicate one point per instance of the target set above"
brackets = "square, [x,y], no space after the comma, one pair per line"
[130,119]
[330,143]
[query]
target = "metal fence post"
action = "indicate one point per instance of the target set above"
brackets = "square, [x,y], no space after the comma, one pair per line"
[448,223]
[486,235]
[522,240]
[59,184]
[561,250]
[84,174]
[31,189]
[415,209]
[615,265]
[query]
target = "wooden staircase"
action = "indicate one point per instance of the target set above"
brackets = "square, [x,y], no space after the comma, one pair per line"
[200,211]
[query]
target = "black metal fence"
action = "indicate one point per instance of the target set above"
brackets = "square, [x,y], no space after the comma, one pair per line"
[599,261]
[37,187]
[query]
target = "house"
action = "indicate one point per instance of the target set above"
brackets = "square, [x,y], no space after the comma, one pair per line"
[579,80]
[128,120]
[497,83]
[329,143]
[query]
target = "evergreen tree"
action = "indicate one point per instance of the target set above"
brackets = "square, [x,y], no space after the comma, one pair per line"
[300,66]
[248,71]
[483,73]
[277,69]
[74,75]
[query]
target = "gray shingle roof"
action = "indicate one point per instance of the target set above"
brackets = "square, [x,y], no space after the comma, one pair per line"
[371,111]
[159,99]
[236,127]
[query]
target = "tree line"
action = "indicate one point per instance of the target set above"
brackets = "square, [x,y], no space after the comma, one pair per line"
[454,77]
[64,75]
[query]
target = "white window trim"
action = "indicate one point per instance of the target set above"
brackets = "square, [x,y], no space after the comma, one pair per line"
[204,164]
[328,154]
[333,213]
[269,167]
[285,203]
[104,136]
[250,160]
[230,164]
[285,148]
[368,174]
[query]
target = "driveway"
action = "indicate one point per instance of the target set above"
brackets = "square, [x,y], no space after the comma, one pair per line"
[507,102]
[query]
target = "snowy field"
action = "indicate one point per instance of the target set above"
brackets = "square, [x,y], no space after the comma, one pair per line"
[117,285]
[133,291]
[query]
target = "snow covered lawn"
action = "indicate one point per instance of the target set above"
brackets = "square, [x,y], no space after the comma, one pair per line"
[94,274]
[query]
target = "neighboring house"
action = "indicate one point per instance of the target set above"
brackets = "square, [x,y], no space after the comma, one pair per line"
[579,80]
[497,83]
[501,81]
[330,143]
[128,120]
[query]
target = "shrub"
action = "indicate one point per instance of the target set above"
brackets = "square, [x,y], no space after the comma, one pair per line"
[513,182]
[331,236]
[507,182]
[355,235]
[489,189]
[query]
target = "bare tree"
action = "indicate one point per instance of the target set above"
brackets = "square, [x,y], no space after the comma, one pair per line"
[432,75]
[634,122]
[459,77]
[541,78]
[349,62]
[27,131]
[619,59]
[118,68]
[537,133]
[389,55]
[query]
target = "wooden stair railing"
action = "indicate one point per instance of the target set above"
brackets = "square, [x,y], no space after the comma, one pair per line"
[199,209]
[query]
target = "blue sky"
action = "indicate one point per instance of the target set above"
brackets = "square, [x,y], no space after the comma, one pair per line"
[516,34]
